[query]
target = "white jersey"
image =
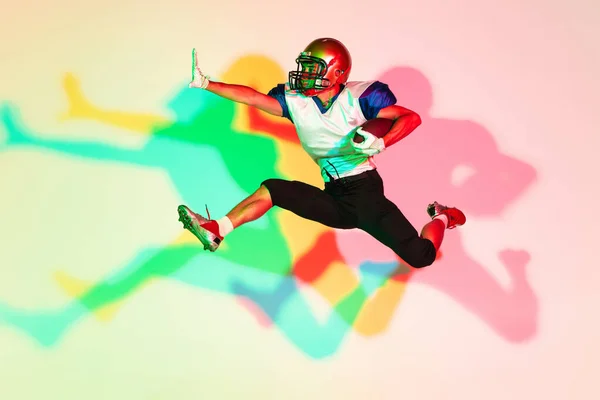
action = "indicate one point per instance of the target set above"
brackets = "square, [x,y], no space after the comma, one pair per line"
[326,136]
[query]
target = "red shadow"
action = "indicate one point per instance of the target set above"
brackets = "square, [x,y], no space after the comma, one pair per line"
[420,169]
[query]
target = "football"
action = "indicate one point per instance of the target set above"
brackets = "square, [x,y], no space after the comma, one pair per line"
[377,127]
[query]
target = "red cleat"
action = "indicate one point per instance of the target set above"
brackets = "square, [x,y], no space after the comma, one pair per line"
[454,215]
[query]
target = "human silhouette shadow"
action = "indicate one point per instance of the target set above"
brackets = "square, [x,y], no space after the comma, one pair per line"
[177,147]
[455,162]
[170,150]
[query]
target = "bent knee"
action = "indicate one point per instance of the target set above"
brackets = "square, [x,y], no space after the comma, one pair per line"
[423,262]
[270,185]
[273,190]
[419,253]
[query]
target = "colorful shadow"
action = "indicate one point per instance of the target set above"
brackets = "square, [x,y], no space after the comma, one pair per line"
[457,163]
[177,148]
[304,253]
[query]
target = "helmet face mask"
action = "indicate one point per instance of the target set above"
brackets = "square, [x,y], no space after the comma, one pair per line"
[324,63]
[310,74]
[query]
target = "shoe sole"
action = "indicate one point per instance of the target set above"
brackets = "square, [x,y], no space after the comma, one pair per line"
[206,237]
[461,217]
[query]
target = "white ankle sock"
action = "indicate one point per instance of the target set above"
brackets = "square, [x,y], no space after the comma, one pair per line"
[225,226]
[442,217]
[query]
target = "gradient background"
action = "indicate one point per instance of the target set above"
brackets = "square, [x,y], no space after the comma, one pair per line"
[507,91]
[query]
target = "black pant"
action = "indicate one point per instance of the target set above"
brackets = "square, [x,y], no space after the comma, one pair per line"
[355,202]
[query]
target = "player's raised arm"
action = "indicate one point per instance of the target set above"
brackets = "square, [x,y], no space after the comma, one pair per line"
[238,93]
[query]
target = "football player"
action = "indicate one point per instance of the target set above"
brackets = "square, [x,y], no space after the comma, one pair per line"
[327,110]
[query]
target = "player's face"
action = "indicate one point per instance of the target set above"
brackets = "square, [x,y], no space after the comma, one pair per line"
[309,71]
[308,78]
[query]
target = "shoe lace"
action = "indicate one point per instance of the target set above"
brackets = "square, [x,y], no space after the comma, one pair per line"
[207,212]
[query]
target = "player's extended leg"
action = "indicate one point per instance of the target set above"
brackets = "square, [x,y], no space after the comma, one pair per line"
[388,225]
[302,199]
[383,220]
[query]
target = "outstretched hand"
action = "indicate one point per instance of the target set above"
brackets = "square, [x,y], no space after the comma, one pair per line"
[199,80]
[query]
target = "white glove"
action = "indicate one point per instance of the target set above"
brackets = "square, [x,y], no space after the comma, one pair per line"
[199,80]
[370,145]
